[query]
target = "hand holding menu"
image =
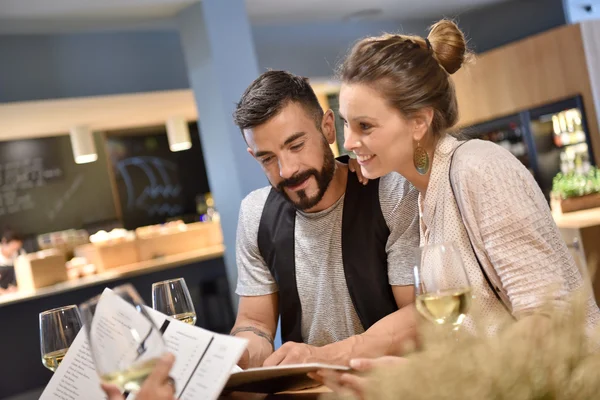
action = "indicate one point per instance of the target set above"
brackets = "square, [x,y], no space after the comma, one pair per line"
[203,362]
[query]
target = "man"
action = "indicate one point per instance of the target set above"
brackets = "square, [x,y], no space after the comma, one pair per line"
[328,254]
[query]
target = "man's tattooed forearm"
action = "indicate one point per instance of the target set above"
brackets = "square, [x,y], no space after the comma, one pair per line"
[256,331]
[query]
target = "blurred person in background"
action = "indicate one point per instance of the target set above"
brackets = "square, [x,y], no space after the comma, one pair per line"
[10,248]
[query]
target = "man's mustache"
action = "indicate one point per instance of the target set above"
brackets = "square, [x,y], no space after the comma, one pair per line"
[297,179]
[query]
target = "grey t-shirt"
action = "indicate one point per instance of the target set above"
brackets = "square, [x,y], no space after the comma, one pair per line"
[328,314]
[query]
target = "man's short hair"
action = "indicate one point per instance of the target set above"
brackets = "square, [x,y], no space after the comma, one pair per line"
[270,93]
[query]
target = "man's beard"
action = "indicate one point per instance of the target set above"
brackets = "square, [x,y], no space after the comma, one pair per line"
[323,178]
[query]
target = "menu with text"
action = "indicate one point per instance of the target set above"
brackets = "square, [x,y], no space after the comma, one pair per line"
[203,360]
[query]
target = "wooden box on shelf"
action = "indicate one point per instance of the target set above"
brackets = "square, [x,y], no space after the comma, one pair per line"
[108,255]
[178,239]
[576,203]
[44,268]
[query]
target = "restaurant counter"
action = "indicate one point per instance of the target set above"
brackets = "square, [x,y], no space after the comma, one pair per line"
[203,270]
[578,219]
[126,271]
[581,232]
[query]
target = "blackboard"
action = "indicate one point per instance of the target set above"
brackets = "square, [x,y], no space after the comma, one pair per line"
[155,184]
[43,190]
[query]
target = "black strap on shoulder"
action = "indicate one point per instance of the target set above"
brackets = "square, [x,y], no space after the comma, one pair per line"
[494,288]
[364,238]
[276,244]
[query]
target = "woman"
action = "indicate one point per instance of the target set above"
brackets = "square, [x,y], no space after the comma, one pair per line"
[10,246]
[398,103]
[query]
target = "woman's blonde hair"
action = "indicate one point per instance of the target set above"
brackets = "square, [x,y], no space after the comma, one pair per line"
[411,72]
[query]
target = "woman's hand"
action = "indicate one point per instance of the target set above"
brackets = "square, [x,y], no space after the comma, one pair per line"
[354,166]
[158,386]
[352,382]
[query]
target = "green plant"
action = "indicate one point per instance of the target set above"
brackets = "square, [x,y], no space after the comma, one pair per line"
[574,184]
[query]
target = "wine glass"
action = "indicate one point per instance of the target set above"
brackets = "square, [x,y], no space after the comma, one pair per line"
[442,287]
[172,298]
[58,329]
[124,341]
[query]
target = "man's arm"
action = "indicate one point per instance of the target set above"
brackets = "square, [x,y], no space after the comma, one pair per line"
[258,291]
[257,322]
[389,336]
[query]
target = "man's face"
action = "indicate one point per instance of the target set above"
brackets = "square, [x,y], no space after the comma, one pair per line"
[295,154]
[10,249]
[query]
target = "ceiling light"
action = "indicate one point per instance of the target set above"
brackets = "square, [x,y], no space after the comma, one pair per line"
[82,144]
[178,134]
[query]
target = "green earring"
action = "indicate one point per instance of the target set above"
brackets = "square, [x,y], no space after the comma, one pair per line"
[421,160]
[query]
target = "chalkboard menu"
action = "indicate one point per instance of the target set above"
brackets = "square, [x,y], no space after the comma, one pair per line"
[43,190]
[154,183]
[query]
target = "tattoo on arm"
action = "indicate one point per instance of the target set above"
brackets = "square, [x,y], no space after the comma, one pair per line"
[256,331]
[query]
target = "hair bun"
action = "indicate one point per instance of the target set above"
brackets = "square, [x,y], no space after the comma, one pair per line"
[448,44]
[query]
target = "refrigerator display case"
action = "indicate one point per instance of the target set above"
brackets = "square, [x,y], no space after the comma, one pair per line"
[547,140]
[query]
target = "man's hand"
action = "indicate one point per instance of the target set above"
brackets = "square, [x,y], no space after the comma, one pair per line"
[244,361]
[293,353]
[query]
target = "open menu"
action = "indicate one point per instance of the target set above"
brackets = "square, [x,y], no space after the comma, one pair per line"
[277,379]
[203,360]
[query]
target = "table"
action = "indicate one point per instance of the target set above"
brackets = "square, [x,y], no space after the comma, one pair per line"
[308,394]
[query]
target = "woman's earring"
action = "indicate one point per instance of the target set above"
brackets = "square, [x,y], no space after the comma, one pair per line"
[421,160]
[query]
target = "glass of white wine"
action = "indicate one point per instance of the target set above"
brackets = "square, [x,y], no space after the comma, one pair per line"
[172,298]
[58,329]
[442,287]
[124,341]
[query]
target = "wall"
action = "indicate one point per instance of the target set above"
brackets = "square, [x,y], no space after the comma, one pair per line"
[314,50]
[37,67]
[503,23]
[534,72]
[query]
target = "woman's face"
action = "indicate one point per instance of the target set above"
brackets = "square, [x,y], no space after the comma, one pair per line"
[381,137]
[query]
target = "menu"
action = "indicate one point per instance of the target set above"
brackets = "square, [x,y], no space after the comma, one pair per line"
[203,359]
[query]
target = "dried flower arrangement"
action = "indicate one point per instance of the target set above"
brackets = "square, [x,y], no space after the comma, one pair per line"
[545,357]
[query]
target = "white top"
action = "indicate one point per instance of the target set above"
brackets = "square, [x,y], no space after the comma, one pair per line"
[511,227]
[7,262]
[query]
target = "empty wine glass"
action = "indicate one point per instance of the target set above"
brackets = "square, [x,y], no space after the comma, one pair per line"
[58,329]
[124,341]
[442,287]
[172,298]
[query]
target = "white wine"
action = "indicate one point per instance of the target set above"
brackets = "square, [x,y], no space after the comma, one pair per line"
[131,379]
[52,360]
[188,318]
[445,308]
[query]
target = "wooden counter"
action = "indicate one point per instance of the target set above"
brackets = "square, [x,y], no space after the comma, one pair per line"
[126,271]
[578,219]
